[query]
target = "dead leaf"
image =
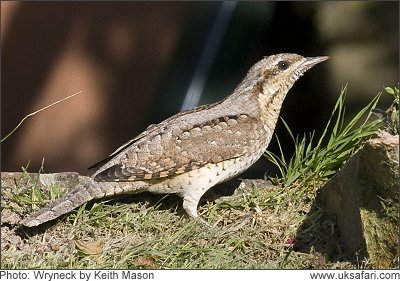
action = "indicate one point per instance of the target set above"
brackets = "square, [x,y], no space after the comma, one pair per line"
[89,248]
[148,262]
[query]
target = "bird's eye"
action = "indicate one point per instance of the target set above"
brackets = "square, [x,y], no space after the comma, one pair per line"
[283,65]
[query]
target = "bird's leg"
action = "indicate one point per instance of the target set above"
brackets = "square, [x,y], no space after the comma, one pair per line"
[190,204]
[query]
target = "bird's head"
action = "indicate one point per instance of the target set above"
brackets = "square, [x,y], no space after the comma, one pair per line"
[277,73]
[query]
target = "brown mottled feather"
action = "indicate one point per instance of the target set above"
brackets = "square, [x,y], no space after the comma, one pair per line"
[176,151]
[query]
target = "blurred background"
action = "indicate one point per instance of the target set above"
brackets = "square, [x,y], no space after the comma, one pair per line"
[138,63]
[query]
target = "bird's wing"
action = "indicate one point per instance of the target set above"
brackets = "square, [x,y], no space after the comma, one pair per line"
[151,130]
[101,163]
[174,150]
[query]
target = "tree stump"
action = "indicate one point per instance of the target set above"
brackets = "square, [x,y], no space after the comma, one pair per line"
[363,197]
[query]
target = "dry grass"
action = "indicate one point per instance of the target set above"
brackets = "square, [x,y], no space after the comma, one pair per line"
[254,228]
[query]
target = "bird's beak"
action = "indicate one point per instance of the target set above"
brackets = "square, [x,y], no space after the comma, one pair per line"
[311,61]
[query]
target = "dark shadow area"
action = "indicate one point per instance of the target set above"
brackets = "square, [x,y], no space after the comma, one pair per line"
[26,61]
[128,42]
[319,233]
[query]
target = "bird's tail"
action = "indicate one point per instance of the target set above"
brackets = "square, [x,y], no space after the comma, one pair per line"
[84,192]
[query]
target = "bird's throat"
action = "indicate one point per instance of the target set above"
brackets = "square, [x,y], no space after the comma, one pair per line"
[270,106]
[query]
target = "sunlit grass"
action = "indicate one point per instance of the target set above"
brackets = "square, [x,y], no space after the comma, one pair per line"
[316,160]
